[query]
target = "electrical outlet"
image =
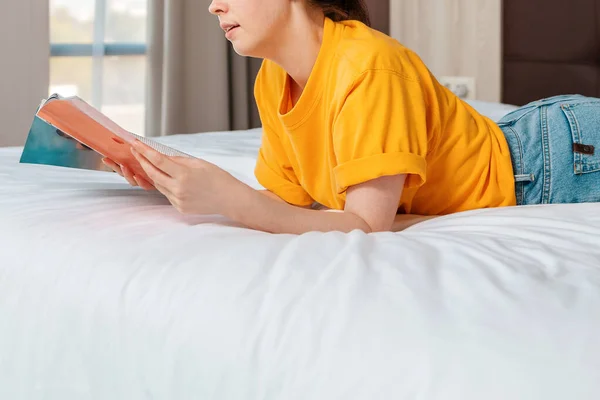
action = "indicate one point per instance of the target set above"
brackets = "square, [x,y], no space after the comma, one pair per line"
[462,86]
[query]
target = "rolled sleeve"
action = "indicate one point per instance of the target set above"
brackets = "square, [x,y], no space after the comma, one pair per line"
[282,187]
[388,164]
[393,140]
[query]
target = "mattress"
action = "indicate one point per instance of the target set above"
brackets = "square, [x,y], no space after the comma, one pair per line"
[106,291]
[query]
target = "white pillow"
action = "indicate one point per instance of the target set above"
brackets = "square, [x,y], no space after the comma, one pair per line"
[492,110]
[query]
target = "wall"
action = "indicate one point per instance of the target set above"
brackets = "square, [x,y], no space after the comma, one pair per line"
[454,37]
[24,52]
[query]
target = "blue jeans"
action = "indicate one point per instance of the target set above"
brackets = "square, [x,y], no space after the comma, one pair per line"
[555,150]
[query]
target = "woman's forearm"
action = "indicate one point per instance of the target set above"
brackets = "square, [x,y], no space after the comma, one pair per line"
[403,221]
[265,213]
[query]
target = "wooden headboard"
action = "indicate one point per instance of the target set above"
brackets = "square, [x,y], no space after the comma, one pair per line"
[550,47]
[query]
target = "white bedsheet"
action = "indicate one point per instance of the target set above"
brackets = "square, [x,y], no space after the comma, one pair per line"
[106,292]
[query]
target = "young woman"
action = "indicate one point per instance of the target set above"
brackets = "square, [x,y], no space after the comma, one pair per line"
[355,122]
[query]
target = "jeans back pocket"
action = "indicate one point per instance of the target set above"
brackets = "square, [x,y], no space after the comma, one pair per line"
[584,121]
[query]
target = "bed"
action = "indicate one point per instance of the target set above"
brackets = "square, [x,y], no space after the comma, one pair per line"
[106,292]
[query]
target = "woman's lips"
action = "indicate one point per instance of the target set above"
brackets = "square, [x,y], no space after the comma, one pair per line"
[230,31]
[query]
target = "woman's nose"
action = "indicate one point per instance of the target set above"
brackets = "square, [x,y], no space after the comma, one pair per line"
[217,7]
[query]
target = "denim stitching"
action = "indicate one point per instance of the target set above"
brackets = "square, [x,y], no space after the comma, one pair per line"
[513,121]
[584,165]
[577,128]
[534,105]
[576,137]
[546,154]
[525,178]
[582,103]
[520,159]
[520,168]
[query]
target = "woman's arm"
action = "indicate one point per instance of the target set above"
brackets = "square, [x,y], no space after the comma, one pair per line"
[400,223]
[370,207]
[273,196]
[195,186]
[403,221]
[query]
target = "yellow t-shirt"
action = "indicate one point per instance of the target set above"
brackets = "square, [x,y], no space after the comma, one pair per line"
[371,108]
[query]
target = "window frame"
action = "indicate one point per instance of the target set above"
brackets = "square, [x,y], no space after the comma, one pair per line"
[98,50]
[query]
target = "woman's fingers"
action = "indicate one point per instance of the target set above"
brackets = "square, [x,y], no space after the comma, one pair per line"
[152,171]
[111,164]
[128,174]
[165,192]
[144,184]
[160,162]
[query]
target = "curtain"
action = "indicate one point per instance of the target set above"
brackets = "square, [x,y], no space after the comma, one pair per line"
[196,82]
[24,68]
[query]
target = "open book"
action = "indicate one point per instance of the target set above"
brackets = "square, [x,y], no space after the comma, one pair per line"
[68,132]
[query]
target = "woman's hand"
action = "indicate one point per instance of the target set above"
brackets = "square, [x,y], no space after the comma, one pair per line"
[128,174]
[193,186]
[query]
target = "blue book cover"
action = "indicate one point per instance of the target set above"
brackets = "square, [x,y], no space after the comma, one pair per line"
[46,144]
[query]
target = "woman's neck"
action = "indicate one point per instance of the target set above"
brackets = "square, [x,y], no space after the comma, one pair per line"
[299,46]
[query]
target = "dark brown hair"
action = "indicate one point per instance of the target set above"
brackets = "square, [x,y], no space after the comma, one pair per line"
[342,10]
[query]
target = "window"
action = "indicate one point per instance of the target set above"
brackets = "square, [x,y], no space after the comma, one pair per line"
[98,52]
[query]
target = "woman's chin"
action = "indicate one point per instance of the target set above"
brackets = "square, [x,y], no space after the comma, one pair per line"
[244,51]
